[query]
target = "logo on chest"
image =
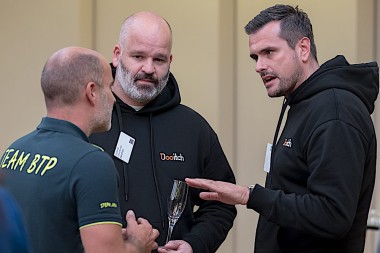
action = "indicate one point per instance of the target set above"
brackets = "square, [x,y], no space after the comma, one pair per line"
[172,157]
[287,143]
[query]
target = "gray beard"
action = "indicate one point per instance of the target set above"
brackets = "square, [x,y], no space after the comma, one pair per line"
[142,93]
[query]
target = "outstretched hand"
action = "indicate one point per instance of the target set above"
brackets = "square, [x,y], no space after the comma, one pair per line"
[225,192]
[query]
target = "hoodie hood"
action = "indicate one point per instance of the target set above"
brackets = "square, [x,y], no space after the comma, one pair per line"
[168,98]
[360,79]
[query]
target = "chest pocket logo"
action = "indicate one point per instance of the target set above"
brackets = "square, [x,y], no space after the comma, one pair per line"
[287,143]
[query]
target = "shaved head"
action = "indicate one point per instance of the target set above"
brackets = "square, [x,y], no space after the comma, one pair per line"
[67,71]
[148,23]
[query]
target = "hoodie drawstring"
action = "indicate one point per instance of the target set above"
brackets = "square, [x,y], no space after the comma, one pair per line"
[275,139]
[283,109]
[162,212]
[125,170]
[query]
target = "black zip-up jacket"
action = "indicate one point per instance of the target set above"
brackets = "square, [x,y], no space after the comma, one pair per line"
[172,141]
[322,174]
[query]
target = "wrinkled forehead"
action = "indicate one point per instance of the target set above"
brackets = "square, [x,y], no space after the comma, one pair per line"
[148,44]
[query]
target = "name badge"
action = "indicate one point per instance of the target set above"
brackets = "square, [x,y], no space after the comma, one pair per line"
[124,147]
[268,154]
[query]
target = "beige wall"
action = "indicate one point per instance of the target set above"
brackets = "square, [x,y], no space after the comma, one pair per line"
[374,235]
[210,62]
[30,32]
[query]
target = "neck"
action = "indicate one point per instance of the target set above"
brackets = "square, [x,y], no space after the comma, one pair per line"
[74,115]
[309,69]
[314,66]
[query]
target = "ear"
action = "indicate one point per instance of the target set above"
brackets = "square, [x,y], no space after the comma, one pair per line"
[91,92]
[304,49]
[170,58]
[116,55]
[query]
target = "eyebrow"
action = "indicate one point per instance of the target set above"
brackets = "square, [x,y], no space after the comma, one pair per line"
[161,55]
[255,56]
[141,52]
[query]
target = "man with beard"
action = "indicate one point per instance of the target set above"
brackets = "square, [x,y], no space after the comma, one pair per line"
[154,139]
[321,168]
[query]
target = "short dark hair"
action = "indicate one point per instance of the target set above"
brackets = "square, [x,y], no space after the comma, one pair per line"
[295,24]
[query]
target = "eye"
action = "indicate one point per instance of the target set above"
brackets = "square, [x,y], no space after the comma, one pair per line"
[254,57]
[268,52]
[160,60]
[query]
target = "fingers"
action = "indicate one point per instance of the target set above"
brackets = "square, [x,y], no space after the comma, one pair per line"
[130,216]
[171,246]
[198,182]
[124,233]
[155,246]
[162,249]
[155,234]
[176,246]
[140,233]
[209,195]
[143,221]
[152,237]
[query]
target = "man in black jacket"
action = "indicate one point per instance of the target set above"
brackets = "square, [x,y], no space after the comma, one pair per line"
[154,139]
[321,168]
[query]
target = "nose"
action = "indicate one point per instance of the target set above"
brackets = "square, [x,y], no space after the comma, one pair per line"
[148,66]
[260,65]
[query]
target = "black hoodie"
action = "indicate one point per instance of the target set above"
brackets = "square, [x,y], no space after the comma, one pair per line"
[322,172]
[172,141]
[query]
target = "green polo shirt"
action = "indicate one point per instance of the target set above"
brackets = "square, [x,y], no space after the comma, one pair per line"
[62,184]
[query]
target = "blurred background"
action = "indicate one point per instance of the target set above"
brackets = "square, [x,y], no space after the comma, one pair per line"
[210,62]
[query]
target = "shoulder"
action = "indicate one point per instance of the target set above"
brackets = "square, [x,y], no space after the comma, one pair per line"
[332,103]
[189,115]
[190,121]
[96,157]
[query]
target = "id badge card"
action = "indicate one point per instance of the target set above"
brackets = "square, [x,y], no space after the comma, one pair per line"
[268,154]
[124,147]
